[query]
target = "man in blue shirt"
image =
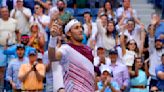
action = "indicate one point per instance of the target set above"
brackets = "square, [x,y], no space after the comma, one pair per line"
[160,75]
[12,50]
[13,68]
[158,25]
[107,84]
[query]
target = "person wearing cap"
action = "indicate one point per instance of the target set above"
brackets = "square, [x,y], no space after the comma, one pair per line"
[120,71]
[106,83]
[13,68]
[22,15]
[12,49]
[155,52]
[160,74]
[32,74]
[76,56]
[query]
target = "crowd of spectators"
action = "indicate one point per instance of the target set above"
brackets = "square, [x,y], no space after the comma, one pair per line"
[126,54]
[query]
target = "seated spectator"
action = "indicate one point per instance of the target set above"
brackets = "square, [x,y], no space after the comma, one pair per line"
[139,79]
[106,83]
[37,39]
[32,74]
[160,75]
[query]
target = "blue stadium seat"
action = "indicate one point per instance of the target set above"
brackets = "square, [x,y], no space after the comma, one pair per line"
[70,10]
[80,18]
[94,12]
[80,12]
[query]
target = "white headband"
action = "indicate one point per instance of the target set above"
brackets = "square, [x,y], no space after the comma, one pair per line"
[70,24]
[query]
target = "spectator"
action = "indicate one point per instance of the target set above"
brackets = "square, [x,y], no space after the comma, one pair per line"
[22,15]
[158,25]
[61,90]
[160,75]
[125,10]
[129,51]
[8,26]
[109,36]
[120,71]
[107,84]
[139,77]
[37,39]
[90,30]
[32,74]
[13,68]
[155,51]
[108,10]
[101,58]
[60,12]
[12,49]
[101,27]
[42,21]
[75,55]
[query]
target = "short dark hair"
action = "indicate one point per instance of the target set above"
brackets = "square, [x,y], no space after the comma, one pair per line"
[87,13]
[61,1]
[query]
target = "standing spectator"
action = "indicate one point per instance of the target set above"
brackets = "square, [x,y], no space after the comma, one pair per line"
[13,68]
[155,51]
[160,75]
[90,29]
[101,59]
[12,49]
[125,10]
[37,39]
[107,84]
[22,15]
[120,71]
[60,11]
[139,77]
[8,26]
[108,10]
[32,74]
[109,36]
[79,73]
[101,27]
[158,25]
[42,20]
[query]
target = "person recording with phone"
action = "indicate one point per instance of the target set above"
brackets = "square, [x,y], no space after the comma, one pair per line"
[32,74]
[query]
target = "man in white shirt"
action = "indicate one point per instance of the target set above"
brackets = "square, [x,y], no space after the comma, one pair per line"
[90,29]
[155,52]
[22,15]
[125,10]
[8,26]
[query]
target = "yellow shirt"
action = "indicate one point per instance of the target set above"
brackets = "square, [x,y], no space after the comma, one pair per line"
[31,82]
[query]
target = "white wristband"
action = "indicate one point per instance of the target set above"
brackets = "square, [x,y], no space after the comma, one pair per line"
[53,42]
